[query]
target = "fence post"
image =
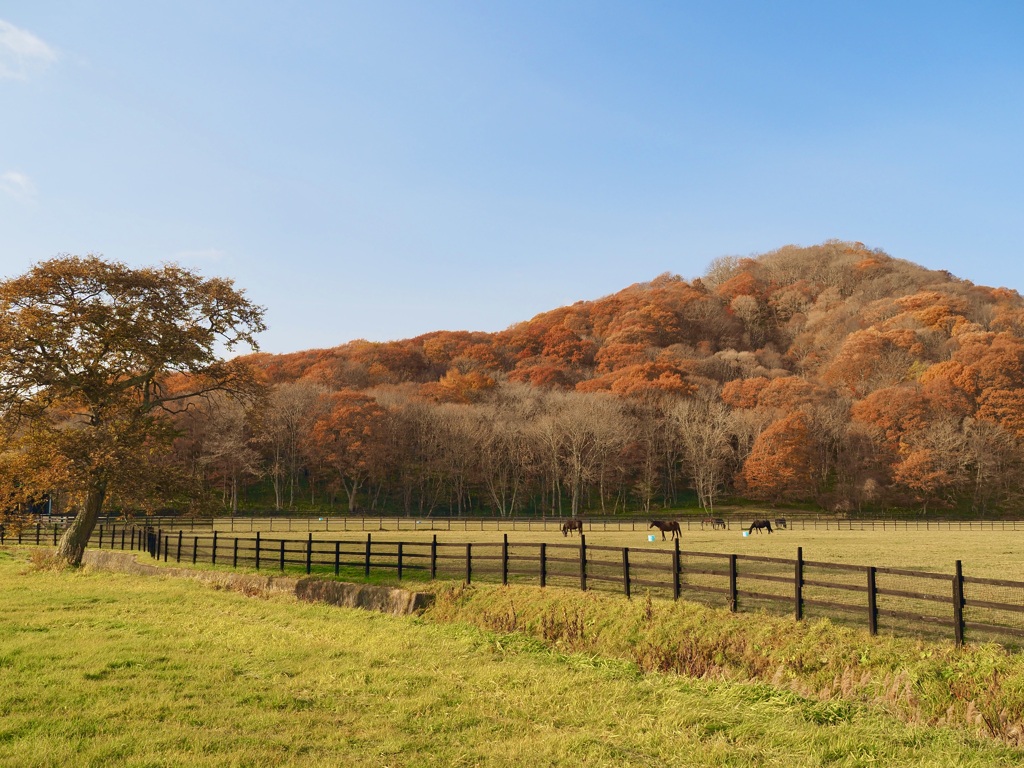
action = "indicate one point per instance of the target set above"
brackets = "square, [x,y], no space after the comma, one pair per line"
[798,585]
[122,536]
[469,563]
[213,554]
[309,554]
[366,568]
[872,602]
[195,549]
[337,558]
[101,535]
[625,571]
[583,562]
[257,550]
[433,558]
[958,604]
[3,533]
[180,534]
[282,555]
[504,559]
[733,597]
[676,569]
[399,561]
[55,536]
[543,564]
[167,545]
[234,554]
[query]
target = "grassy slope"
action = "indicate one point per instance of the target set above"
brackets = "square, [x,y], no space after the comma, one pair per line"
[100,669]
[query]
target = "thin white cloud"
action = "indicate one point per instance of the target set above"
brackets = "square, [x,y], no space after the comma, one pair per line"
[18,185]
[22,53]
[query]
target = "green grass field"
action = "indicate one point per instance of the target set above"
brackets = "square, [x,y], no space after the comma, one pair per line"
[104,669]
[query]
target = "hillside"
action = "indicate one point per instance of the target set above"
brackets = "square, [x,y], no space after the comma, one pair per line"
[790,311]
[834,375]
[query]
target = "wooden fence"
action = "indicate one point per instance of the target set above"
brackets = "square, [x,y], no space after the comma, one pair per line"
[349,524]
[896,600]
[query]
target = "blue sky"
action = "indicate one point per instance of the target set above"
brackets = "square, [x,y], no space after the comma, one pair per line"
[382,169]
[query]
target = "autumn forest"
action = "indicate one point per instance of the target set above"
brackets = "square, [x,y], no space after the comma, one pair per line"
[833,376]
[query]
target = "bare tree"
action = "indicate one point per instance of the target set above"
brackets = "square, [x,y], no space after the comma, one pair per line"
[509,451]
[229,452]
[705,427]
[290,411]
[579,432]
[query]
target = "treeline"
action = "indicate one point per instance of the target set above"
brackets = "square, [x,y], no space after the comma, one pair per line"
[833,375]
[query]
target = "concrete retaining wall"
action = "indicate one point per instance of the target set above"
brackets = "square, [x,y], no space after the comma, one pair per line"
[398,602]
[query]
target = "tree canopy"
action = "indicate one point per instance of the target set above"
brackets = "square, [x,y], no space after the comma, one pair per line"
[94,358]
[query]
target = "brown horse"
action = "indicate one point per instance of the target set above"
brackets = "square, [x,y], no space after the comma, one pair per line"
[780,522]
[714,522]
[572,525]
[759,525]
[665,525]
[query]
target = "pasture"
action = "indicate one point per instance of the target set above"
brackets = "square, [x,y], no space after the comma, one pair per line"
[985,552]
[101,669]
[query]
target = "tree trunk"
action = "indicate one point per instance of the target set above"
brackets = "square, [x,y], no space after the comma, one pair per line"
[72,543]
[352,491]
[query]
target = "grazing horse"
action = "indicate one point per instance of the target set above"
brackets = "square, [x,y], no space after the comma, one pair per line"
[757,525]
[780,522]
[714,522]
[572,525]
[665,525]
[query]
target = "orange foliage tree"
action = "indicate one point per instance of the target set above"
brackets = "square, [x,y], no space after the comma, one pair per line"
[780,465]
[348,437]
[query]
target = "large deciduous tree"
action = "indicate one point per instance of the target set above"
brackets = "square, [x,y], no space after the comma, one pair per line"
[94,358]
[780,465]
[349,435]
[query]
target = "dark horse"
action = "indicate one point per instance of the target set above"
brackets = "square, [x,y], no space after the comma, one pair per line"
[572,525]
[780,522]
[714,522]
[665,525]
[757,525]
